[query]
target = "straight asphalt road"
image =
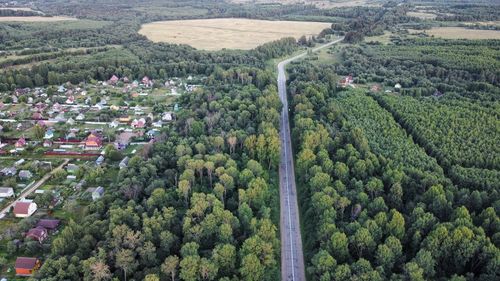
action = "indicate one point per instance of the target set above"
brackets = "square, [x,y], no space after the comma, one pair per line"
[292,256]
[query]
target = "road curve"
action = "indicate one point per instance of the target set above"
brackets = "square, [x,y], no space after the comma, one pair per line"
[292,256]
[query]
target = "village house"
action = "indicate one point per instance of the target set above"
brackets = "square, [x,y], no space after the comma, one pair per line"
[25,175]
[346,81]
[93,142]
[20,143]
[49,224]
[38,233]
[397,87]
[26,266]
[113,80]
[138,123]
[167,116]
[70,121]
[146,81]
[47,143]
[37,116]
[80,117]
[114,124]
[24,209]
[6,192]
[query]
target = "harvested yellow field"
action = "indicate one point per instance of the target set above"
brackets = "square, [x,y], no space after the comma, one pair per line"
[461,33]
[230,33]
[36,19]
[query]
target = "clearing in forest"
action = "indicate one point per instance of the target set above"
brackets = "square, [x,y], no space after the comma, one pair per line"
[461,33]
[230,33]
[36,19]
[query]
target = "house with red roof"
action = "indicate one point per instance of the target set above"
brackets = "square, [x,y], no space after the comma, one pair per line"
[113,80]
[24,209]
[38,233]
[93,142]
[26,266]
[20,143]
[146,81]
[49,224]
[346,81]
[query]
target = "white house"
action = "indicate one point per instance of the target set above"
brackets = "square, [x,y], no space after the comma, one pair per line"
[6,192]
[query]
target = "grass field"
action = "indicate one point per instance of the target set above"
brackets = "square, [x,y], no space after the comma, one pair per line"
[422,15]
[323,4]
[460,33]
[217,34]
[36,19]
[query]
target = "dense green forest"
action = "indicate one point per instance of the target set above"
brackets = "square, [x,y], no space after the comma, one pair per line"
[424,66]
[379,207]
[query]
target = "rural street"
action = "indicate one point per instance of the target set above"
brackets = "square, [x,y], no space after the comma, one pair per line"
[33,188]
[292,257]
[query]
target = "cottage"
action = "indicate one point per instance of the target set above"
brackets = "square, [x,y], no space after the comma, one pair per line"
[24,209]
[25,175]
[113,80]
[124,163]
[167,116]
[397,87]
[70,100]
[71,177]
[20,143]
[6,192]
[49,224]
[346,81]
[157,124]
[93,142]
[138,123]
[47,143]
[80,117]
[37,116]
[152,133]
[114,124]
[125,119]
[97,193]
[38,233]
[60,117]
[26,266]
[70,121]
[61,89]
[146,81]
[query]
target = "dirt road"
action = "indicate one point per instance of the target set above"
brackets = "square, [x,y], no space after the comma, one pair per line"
[33,188]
